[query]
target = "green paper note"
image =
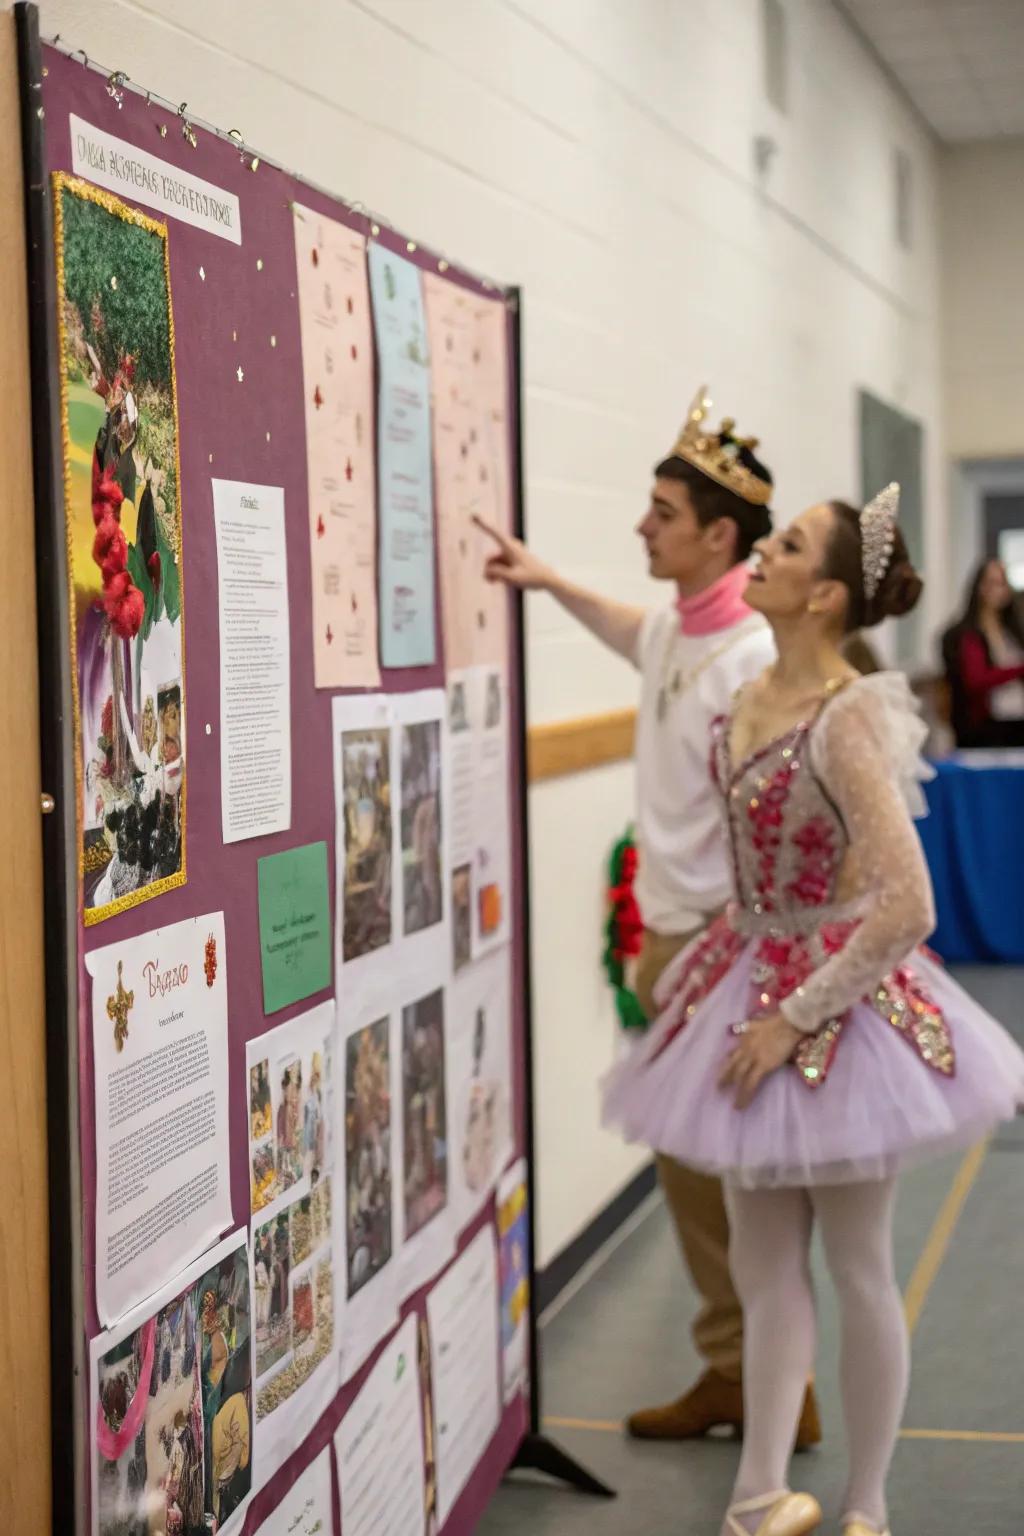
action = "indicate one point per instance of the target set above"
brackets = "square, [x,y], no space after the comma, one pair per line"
[295,929]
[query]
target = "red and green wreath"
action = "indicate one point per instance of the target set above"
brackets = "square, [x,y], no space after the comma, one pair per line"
[623,931]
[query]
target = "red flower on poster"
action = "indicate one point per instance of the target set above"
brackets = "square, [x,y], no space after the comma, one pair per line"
[210,961]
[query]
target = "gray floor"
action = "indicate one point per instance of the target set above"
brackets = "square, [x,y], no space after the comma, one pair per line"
[622,1341]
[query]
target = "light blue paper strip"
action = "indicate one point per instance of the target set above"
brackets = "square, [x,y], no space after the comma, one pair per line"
[404,460]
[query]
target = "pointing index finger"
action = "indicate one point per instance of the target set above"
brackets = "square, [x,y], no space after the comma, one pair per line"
[493,533]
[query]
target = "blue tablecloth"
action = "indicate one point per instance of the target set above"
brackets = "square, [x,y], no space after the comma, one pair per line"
[974,841]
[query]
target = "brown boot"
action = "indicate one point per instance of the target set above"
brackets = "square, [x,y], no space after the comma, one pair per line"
[714,1403]
[808,1431]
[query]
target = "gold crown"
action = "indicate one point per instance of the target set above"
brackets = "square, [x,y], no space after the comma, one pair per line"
[717,454]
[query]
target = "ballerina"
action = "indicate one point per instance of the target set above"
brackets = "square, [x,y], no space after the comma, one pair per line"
[807,1048]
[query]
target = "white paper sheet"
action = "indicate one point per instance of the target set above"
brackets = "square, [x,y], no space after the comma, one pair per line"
[379,1446]
[150,1367]
[462,1313]
[292,1113]
[144,178]
[159,1014]
[307,1509]
[480,1080]
[479,839]
[255,683]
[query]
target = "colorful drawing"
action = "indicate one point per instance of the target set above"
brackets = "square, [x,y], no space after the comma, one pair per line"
[121,481]
[174,1413]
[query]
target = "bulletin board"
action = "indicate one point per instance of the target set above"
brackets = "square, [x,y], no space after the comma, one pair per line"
[283,726]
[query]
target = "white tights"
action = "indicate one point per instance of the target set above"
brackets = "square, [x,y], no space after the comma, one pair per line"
[770,1260]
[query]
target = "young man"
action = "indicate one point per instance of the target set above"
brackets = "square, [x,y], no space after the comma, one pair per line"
[709,505]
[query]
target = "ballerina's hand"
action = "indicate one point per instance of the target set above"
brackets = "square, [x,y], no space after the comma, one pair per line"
[765,1044]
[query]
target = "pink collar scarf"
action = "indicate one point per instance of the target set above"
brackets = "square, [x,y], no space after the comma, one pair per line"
[719,606]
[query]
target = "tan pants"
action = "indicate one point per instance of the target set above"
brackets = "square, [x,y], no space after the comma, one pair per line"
[697,1205]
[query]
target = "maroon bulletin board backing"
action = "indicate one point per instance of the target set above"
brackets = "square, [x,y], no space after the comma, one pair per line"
[223,321]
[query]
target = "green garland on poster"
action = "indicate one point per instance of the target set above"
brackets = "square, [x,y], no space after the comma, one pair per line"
[623,931]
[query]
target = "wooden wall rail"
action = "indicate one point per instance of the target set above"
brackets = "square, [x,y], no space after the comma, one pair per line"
[24,1257]
[571,746]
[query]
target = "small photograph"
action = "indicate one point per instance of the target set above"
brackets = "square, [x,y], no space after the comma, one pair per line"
[303,1311]
[271,1270]
[314,1123]
[480,1134]
[421,825]
[366,779]
[289,1126]
[304,1286]
[261,1114]
[321,1209]
[223,1298]
[462,916]
[424,1116]
[368,1171]
[458,715]
[264,1175]
[492,703]
[301,1220]
[490,908]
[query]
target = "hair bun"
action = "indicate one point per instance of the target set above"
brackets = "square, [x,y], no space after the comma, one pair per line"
[900,590]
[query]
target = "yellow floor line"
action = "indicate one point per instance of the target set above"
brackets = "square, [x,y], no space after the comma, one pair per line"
[967,1436]
[937,1246]
[605,1426]
[985,1436]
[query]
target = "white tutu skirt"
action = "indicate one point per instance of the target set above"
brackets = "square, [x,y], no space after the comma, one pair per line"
[880,1108]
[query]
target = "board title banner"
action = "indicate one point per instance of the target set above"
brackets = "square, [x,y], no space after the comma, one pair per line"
[143,178]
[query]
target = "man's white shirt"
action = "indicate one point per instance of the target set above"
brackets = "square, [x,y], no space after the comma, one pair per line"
[684,861]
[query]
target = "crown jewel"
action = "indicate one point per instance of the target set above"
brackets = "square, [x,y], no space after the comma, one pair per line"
[717,454]
[878,537]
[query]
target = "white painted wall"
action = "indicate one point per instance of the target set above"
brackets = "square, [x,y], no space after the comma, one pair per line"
[600,154]
[982,238]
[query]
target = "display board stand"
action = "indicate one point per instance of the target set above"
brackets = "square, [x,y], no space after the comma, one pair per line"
[70,1296]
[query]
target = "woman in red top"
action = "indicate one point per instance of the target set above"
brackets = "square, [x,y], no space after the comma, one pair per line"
[984,660]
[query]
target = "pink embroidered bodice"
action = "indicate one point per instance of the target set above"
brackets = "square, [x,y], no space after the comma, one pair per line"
[829,875]
[787,840]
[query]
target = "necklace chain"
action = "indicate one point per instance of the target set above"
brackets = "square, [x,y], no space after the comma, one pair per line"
[674,684]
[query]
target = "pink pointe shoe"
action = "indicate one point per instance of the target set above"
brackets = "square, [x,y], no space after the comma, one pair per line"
[856,1525]
[788,1514]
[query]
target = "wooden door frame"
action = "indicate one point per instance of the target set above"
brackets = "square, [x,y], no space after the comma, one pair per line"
[25,1469]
